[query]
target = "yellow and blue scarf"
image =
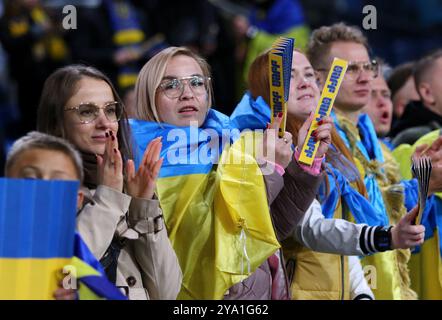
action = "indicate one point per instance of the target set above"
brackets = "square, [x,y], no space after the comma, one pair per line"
[426,260]
[255,114]
[127,34]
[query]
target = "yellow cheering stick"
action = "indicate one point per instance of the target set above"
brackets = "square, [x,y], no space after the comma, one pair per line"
[280,66]
[323,109]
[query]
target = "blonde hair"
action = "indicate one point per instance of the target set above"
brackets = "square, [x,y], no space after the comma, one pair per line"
[151,76]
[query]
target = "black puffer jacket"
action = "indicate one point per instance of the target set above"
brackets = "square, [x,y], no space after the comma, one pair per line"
[416,121]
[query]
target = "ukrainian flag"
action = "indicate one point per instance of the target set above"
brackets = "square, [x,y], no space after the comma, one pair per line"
[37,240]
[216,210]
[425,262]
[251,113]
[93,283]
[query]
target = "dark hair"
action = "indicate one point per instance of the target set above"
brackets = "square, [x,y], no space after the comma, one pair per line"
[59,87]
[38,140]
[399,76]
[424,65]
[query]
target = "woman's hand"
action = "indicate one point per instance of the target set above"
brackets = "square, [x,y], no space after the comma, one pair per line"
[110,164]
[142,183]
[322,134]
[277,150]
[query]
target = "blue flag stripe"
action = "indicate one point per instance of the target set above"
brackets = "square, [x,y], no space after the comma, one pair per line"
[37,218]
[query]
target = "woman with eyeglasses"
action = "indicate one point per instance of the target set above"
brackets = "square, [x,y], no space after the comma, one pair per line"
[321,275]
[225,219]
[121,221]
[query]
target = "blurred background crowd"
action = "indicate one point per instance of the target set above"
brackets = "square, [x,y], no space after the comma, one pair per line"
[119,36]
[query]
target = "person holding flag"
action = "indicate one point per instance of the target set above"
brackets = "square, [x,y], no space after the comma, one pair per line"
[390,195]
[217,209]
[41,159]
[314,273]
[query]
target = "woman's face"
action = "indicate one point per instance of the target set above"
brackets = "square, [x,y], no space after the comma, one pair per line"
[182,102]
[304,92]
[89,137]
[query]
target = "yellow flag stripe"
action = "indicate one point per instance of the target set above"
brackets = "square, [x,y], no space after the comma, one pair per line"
[29,279]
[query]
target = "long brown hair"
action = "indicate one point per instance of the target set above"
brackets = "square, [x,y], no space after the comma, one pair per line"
[59,87]
[259,85]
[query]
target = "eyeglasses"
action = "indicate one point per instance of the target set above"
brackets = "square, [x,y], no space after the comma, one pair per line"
[174,88]
[355,68]
[88,111]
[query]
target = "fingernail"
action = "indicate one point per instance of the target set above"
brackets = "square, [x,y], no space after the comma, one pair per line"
[314,133]
[111,133]
[107,135]
[320,122]
[268,125]
[115,150]
[113,138]
[280,115]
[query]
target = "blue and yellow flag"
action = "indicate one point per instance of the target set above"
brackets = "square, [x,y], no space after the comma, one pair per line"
[92,281]
[37,223]
[215,209]
[255,114]
[38,241]
[426,260]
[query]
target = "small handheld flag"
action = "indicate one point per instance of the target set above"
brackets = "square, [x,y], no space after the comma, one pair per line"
[280,67]
[323,109]
[37,225]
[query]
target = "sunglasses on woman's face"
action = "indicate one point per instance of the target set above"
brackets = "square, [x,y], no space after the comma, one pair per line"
[88,111]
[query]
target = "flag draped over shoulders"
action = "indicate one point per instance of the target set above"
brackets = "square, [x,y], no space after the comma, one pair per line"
[255,114]
[215,210]
[426,260]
